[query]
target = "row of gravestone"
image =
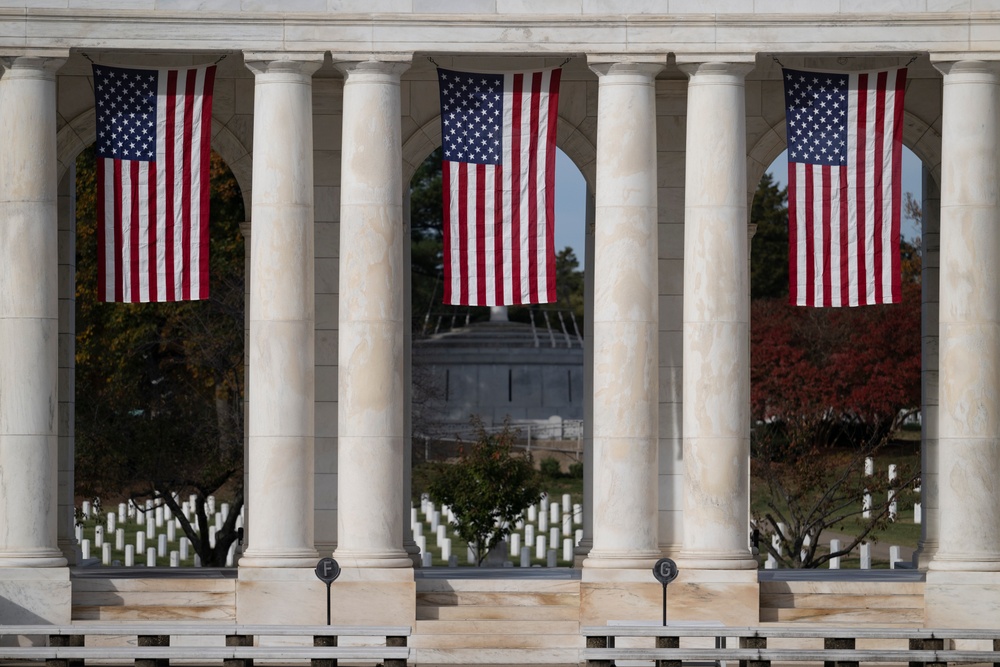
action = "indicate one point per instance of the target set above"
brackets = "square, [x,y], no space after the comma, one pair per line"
[104,535]
[864,549]
[536,537]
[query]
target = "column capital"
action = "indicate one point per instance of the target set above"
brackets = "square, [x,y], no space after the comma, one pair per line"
[965,64]
[728,64]
[272,62]
[367,66]
[618,64]
[245,229]
[382,63]
[46,62]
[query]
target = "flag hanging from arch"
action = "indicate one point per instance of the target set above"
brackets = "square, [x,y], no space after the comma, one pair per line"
[153,147]
[845,140]
[498,136]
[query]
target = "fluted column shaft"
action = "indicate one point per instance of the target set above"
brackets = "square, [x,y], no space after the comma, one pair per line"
[626,320]
[370,439]
[282,315]
[969,373]
[716,347]
[29,315]
[930,235]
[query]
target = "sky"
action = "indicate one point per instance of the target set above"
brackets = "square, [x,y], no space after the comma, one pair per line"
[571,193]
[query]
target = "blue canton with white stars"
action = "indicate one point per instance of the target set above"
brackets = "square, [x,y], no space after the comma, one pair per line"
[816,117]
[126,113]
[471,117]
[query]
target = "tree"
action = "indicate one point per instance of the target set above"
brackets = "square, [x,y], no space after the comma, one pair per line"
[832,383]
[487,488]
[426,239]
[159,387]
[769,247]
[818,369]
[811,488]
[569,284]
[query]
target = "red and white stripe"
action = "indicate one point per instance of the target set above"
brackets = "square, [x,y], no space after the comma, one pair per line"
[844,221]
[499,245]
[153,216]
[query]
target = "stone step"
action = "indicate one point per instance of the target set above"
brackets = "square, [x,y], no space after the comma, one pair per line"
[152,613]
[856,616]
[830,586]
[152,599]
[842,602]
[494,612]
[503,599]
[169,598]
[497,640]
[834,601]
[502,626]
[512,585]
[507,656]
[153,584]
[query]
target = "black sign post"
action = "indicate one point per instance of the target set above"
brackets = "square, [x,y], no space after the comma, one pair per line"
[665,571]
[327,570]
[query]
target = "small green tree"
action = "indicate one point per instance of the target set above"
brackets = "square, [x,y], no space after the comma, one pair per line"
[487,488]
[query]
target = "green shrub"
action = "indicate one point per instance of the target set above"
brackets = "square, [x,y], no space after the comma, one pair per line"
[550,467]
[576,470]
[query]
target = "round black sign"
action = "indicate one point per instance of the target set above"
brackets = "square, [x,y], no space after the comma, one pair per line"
[665,571]
[327,570]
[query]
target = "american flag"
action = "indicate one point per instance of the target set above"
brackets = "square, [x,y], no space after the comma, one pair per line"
[498,134]
[153,144]
[844,164]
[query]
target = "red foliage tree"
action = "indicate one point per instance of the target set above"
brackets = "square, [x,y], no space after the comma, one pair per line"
[819,370]
[828,385]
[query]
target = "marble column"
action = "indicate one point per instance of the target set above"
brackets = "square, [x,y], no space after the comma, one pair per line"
[716,343]
[625,324]
[930,234]
[29,315]
[66,207]
[370,439]
[969,374]
[282,314]
[409,544]
[583,548]
[245,230]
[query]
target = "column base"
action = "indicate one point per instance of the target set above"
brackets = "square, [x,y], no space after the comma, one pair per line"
[376,560]
[630,560]
[360,596]
[582,552]
[729,596]
[974,562]
[41,558]
[925,553]
[961,599]
[413,553]
[716,561]
[253,558]
[35,595]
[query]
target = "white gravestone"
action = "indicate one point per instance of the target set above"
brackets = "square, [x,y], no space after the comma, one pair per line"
[540,547]
[835,561]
